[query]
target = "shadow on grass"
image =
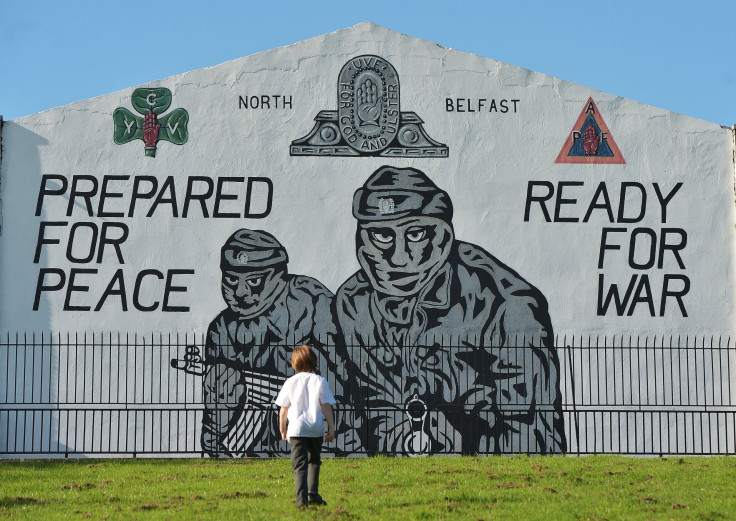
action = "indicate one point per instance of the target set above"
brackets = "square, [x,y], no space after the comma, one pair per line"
[9,502]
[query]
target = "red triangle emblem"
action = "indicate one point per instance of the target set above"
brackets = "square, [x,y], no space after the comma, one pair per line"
[590,141]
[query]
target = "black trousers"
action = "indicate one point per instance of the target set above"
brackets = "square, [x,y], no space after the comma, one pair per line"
[305,460]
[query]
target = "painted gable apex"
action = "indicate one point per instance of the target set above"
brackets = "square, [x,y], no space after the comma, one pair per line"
[181,163]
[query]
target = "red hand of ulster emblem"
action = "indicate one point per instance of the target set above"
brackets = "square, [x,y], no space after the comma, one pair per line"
[150,130]
[590,141]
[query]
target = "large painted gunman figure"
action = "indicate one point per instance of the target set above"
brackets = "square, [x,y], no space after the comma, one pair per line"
[420,291]
[269,311]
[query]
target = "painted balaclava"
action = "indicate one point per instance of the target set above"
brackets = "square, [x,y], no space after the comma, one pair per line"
[404,230]
[253,265]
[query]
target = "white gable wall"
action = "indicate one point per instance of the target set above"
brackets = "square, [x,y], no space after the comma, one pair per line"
[493,159]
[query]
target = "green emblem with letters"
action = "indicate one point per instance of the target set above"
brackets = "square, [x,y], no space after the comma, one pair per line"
[152,127]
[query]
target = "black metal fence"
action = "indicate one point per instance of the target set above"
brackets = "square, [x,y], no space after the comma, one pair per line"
[126,395]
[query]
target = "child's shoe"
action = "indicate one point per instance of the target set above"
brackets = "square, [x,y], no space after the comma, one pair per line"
[316,499]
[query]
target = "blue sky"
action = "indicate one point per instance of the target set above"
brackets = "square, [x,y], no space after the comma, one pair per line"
[677,55]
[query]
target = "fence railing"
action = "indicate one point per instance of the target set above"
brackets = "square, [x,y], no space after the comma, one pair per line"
[165,395]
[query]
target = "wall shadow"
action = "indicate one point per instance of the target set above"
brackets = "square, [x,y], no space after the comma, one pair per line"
[29,367]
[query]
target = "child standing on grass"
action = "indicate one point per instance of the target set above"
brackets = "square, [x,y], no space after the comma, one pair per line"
[306,401]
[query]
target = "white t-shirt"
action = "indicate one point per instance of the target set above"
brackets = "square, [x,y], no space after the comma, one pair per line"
[304,394]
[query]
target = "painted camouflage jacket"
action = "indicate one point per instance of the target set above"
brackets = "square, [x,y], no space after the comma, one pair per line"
[247,361]
[468,365]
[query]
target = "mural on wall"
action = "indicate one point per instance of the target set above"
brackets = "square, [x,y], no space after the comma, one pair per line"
[590,141]
[151,128]
[420,291]
[369,120]
[430,343]
[436,344]
[248,344]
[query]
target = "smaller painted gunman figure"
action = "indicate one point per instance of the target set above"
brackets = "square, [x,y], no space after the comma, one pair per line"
[248,343]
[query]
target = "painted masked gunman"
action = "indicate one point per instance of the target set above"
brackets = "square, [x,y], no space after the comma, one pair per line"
[447,349]
[247,345]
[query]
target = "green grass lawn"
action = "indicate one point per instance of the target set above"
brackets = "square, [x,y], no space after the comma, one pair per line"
[544,488]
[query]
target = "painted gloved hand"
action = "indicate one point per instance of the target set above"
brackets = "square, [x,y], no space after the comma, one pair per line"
[369,104]
[191,363]
[590,141]
[151,127]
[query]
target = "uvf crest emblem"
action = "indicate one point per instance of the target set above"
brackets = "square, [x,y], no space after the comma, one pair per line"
[368,120]
[368,98]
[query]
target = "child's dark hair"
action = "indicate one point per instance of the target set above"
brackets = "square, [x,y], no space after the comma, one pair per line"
[303,359]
